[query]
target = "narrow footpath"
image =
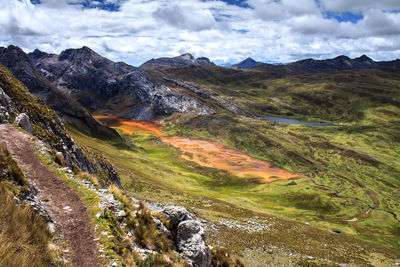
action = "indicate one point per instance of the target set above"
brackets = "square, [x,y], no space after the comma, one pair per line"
[69,212]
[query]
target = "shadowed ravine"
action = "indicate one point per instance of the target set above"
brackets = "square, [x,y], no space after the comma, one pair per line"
[206,153]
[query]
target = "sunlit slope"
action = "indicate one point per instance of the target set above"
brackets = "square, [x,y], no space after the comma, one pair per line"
[333,96]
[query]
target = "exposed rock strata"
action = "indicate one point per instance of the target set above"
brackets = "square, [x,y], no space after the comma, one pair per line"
[115,87]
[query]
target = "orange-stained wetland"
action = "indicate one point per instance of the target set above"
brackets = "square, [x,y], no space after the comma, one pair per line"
[206,153]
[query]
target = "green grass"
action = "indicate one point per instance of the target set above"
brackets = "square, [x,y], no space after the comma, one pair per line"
[334,96]
[345,173]
[349,173]
[155,171]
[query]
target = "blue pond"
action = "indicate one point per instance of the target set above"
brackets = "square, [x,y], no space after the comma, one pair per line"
[291,121]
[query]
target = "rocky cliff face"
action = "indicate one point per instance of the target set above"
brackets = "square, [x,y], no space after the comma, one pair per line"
[105,86]
[21,66]
[181,61]
[15,99]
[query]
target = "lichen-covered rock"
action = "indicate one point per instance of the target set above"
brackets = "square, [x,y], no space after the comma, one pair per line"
[23,121]
[191,243]
[5,100]
[176,215]
[5,106]
[189,236]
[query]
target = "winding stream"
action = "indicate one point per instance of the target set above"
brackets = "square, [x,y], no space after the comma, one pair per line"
[292,121]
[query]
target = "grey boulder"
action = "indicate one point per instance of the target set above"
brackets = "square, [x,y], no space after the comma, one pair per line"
[191,238]
[176,215]
[23,121]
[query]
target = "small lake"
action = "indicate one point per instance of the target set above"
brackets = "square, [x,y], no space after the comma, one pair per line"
[291,121]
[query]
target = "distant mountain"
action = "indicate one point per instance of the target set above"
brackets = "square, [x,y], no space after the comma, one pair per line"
[181,61]
[247,64]
[102,85]
[22,67]
[328,65]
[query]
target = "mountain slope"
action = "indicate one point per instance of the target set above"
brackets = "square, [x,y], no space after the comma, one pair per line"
[48,127]
[66,107]
[181,61]
[341,95]
[104,86]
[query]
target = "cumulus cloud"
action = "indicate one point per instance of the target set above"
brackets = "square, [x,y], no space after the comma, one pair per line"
[276,10]
[359,5]
[267,30]
[186,17]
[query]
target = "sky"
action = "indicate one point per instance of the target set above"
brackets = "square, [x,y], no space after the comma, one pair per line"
[226,31]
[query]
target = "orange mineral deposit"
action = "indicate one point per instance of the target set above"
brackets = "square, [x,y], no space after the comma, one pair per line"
[208,154]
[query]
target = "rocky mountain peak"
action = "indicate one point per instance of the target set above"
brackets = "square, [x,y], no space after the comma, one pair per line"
[15,58]
[246,64]
[342,57]
[74,54]
[363,58]
[181,61]
[186,56]
[249,60]
[37,54]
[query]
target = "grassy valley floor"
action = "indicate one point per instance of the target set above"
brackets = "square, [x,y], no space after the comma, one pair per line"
[241,211]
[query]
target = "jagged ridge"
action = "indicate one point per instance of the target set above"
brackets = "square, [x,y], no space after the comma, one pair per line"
[66,107]
[105,86]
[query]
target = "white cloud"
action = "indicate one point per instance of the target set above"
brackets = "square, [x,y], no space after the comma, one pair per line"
[359,5]
[186,17]
[278,31]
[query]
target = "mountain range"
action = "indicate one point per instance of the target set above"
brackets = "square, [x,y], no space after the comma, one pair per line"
[318,66]
[102,85]
[78,82]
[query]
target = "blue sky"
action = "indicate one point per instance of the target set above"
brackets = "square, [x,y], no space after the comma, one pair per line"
[226,31]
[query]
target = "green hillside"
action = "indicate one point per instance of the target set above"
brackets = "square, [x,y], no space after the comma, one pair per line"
[351,171]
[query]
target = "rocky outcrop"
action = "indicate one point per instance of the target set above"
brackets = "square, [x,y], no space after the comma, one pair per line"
[189,236]
[181,61]
[115,87]
[22,120]
[207,93]
[70,111]
[5,106]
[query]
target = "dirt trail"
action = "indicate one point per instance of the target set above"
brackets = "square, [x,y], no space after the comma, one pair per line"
[65,205]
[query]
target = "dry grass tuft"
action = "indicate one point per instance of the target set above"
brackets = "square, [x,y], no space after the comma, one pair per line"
[11,169]
[90,178]
[24,236]
[221,258]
